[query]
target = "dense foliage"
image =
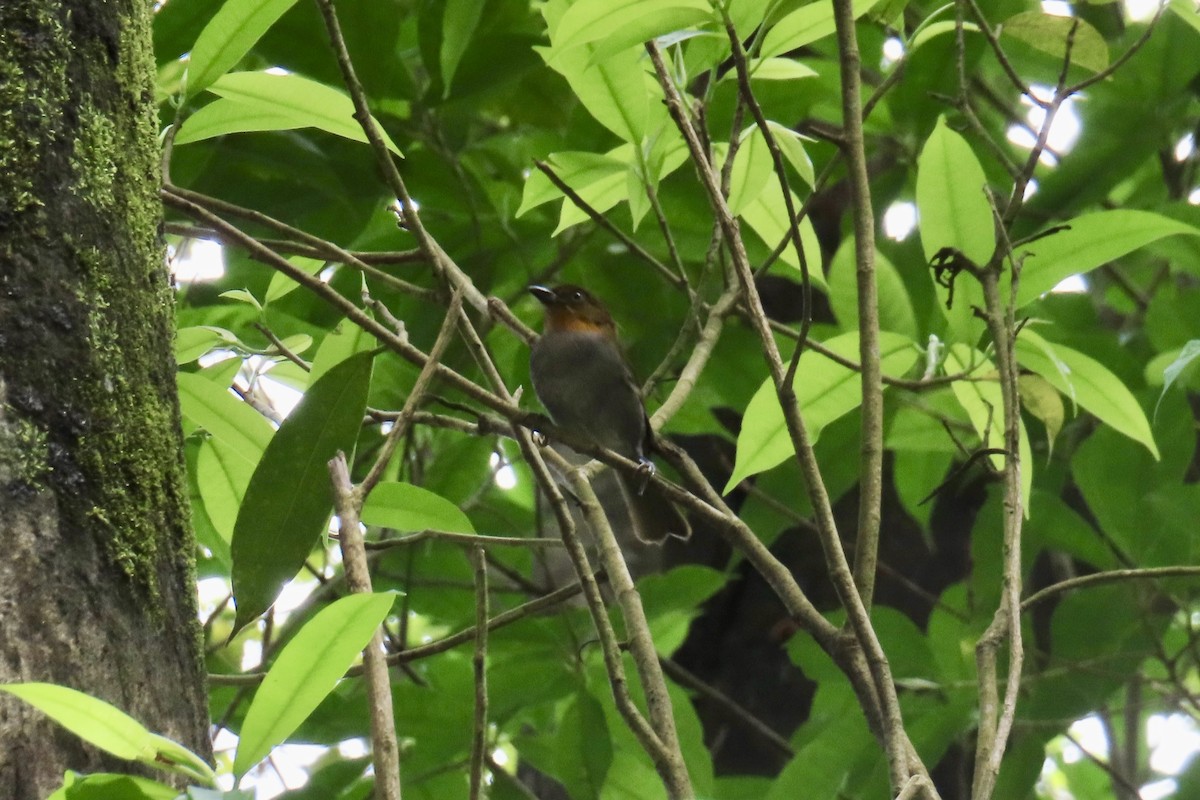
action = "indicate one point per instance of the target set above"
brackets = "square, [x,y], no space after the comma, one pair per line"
[495,105]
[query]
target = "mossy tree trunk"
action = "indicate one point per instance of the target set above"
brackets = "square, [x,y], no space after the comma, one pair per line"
[96,576]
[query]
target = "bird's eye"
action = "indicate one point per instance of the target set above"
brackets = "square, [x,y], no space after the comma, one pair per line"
[577,296]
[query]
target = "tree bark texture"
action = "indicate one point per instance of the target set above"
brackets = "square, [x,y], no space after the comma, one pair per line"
[97,587]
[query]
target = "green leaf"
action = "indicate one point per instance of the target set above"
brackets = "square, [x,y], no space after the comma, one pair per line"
[928,32]
[1090,383]
[288,500]
[584,748]
[792,147]
[615,91]
[213,408]
[282,285]
[1049,33]
[222,117]
[804,26]
[109,728]
[954,211]
[223,473]
[459,21]
[108,785]
[767,217]
[825,391]
[752,169]
[242,296]
[193,342]
[289,101]
[407,508]
[1090,241]
[1172,371]
[895,307]
[1042,400]
[777,69]
[1186,11]
[229,35]
[306,671]
[96,722]
[616,25]
[345,340]
[982,399]
[580,170]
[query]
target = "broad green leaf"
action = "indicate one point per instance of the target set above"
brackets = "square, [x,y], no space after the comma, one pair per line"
[614,91]
[601,196]
[1042,400]
[792,147]
[221,117]
[936,29]
[109,728]
[281,285]
[109,785]
[825,391]
[407,508]
[289,499]
[1088,242]
[844,742]
[242,296]
[777,69]
[752,169]
[950,198]
[981,398]
[1049,33]
[895,308]
[459,21]
[223,473]
[306,102]
[1090,383]
[615,25]
[579,170]
[345,340]
[229,35]
[804,26]
[585,748]
[672,600]
[306,671]
[1172,371]
[767,217]
[193,342]
[96,722]
[954,213]
[213,408]
[1186,10]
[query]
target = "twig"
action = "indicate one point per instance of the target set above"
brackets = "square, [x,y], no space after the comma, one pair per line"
[283,349]
[442,263]
[668,759]
[1111,576]
[384,747]
[866,551]
[321,247]
[463,538]
[372,257]
[879,698]
[479,663]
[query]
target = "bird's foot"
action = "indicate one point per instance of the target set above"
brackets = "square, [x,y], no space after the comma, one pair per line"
[646,469]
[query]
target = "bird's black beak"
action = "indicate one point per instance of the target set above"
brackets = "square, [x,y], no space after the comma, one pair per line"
[544,294]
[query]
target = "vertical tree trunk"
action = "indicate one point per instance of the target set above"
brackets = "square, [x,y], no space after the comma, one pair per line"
[96,572]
